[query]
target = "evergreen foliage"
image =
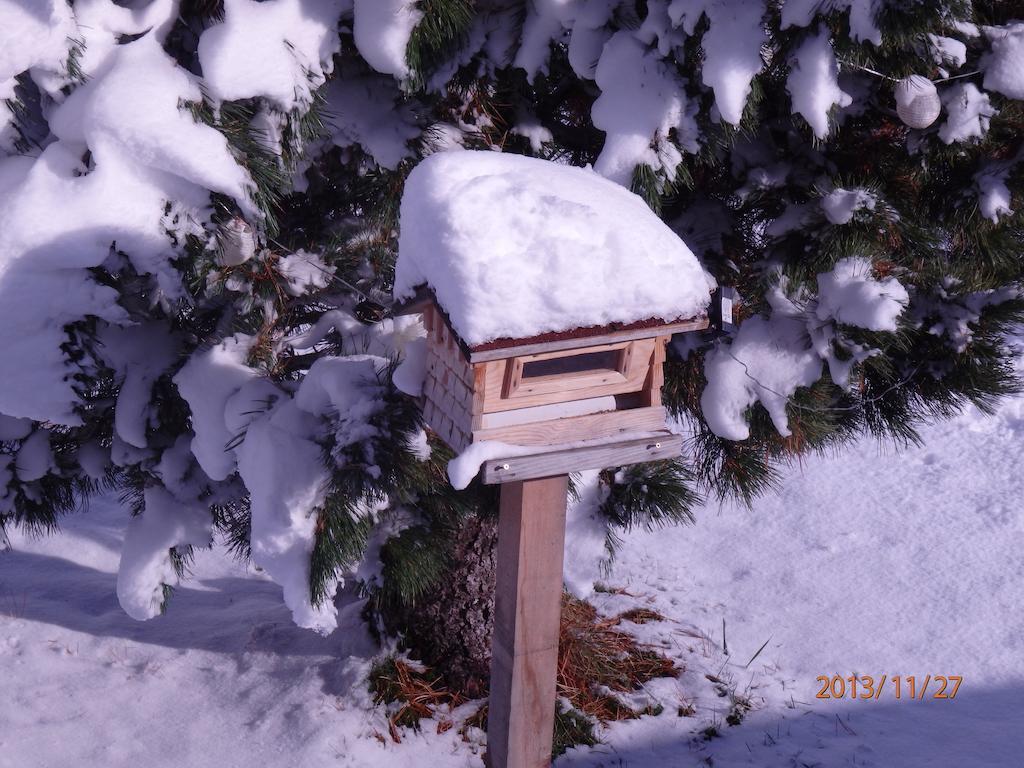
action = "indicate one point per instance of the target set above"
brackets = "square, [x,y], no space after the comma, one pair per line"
[325,198]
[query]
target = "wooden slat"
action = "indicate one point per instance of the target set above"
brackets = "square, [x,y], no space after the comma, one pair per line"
[463,418]
[444,372]
[459,439]
[603,454]
[483,356]
[577,350]
[513,376]
[461,366]
[574,428]
[656,377]
[632,354]
[449,399]
[465,398]
[476,408]
[495,374]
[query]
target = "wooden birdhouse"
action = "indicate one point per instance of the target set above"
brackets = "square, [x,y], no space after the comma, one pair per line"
[548,294]
[584,398]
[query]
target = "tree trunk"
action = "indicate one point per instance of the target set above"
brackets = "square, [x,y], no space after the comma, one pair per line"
[450,628]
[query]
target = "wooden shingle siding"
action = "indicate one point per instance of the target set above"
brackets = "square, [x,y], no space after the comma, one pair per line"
[448,389]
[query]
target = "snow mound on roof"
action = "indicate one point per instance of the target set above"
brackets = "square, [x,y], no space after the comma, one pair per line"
[514,247]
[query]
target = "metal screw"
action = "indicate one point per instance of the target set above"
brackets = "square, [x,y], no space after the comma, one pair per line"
[504,466]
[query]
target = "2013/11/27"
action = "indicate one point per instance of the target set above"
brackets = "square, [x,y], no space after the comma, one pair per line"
[839,687]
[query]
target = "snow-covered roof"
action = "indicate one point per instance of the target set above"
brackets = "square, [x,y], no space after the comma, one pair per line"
[515,247]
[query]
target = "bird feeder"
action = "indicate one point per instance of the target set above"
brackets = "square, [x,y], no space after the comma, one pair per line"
[548,295]
[585,398]
[580,399]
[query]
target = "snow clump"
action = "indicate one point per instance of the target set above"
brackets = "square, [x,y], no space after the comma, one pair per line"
[813,83]
[840,204]
[993,194]
[641,100]
[1004,65]
[279,49]
[514,247]
[34,36]
[850,295]
[968,111]
[770,358]
[382,32]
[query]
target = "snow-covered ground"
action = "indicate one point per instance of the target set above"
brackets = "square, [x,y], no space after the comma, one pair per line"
[906,563]
[882,563]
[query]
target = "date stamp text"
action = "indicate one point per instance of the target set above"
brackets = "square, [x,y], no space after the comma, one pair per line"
[900,687]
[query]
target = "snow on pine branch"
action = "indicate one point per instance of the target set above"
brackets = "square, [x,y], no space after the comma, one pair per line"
[143,152]
[111,184]
[276,436]
[36,37]
[642,99]
[1004,65]
[802,13]
[953,316]
[382,29]
[368,112]
[813,83]
[280,50]
[146,567]
[771,357]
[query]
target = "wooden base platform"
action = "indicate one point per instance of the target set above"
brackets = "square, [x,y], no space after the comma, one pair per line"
[629,448]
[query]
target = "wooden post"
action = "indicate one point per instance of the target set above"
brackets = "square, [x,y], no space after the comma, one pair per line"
[527,612]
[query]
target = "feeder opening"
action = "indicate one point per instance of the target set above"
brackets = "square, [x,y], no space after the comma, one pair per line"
[605,360]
